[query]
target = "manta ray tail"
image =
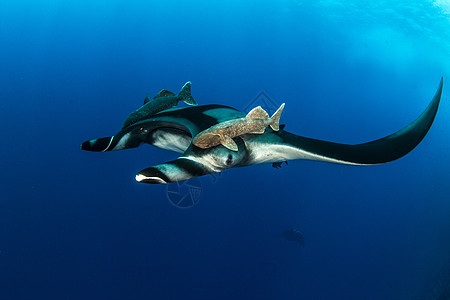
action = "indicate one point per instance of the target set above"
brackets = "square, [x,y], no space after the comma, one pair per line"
[176,170]
[185,94]
[276,118]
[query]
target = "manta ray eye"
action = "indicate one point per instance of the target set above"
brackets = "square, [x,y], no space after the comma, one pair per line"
[143,130]
[229,159]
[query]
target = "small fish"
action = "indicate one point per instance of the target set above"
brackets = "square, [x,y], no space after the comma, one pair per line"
[163,100]
[277,165]
[223,133]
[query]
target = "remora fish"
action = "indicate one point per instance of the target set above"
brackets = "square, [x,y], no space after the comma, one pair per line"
[163,100]
[223,133]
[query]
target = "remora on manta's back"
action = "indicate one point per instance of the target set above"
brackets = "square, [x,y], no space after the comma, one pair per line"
[223,133]
[163,100]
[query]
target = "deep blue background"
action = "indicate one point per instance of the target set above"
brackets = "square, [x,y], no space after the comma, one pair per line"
[76,225]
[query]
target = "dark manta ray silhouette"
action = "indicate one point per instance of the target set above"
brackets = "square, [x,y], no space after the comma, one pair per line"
[174,128]
[294,235]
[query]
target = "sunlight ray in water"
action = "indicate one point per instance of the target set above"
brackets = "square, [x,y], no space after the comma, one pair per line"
[444,5]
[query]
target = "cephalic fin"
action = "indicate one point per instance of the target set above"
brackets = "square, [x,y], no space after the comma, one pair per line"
[172,171]
[228,142]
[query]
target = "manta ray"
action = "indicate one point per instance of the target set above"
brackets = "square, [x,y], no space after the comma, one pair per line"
[294,235]
[174,128]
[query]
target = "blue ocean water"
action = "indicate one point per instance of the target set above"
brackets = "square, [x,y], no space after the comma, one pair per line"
[76,225]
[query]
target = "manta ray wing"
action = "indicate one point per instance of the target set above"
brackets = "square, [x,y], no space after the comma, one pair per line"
[284,146]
